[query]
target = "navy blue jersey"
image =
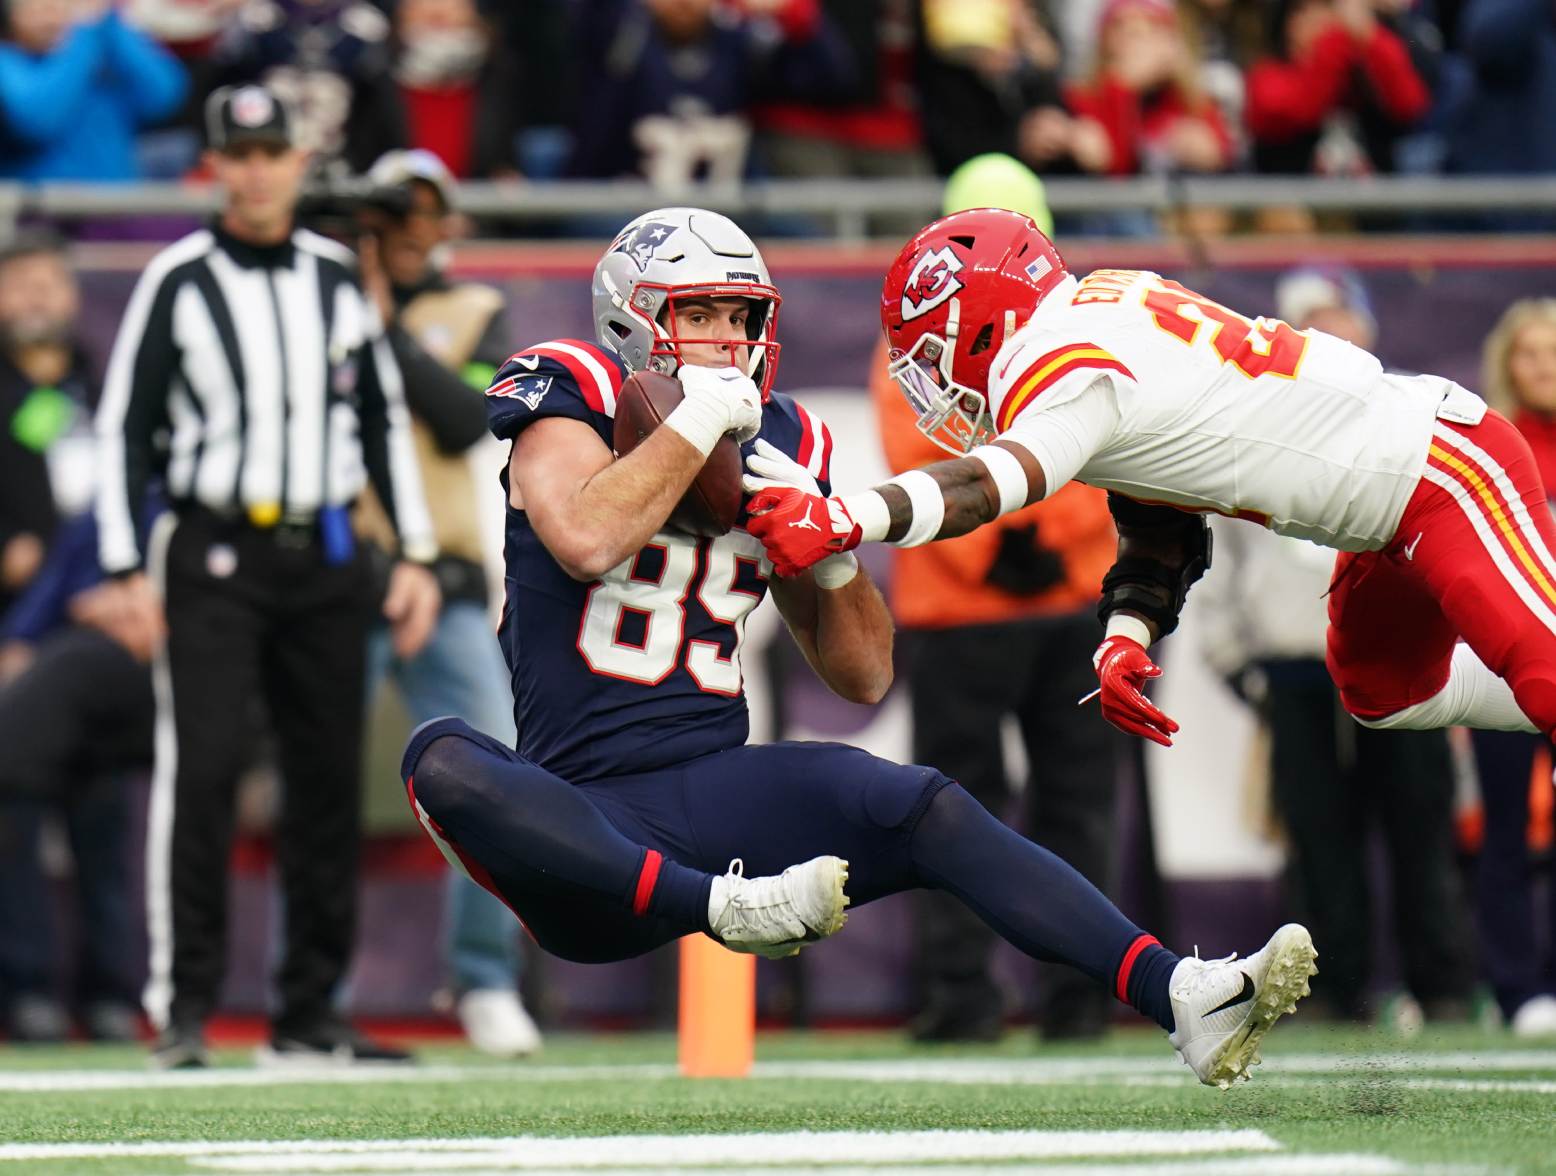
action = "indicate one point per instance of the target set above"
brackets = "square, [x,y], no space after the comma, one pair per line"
[640,669]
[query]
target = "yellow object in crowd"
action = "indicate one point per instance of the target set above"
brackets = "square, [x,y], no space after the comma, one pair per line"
[265,514]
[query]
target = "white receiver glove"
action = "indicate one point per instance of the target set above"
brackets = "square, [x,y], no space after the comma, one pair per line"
[770,468]
[718,401]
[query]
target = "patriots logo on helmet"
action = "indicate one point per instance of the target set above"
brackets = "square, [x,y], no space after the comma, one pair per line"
[640,244]
[932,282]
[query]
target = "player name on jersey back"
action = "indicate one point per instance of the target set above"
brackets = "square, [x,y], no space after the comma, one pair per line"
[1214,411]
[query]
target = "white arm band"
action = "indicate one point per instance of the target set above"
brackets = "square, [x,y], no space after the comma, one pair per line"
[1124,625]
[928,503]
[1006,470]
[869,510]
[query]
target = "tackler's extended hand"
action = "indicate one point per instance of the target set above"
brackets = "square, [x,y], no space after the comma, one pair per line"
[1123,668]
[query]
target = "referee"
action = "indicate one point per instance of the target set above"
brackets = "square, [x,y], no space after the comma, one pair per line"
[252,377]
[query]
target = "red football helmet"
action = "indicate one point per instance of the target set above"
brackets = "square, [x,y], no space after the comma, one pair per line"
[955,293]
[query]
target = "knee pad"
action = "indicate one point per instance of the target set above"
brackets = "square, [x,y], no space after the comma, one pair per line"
[422,739]
[896,795]
[432,758]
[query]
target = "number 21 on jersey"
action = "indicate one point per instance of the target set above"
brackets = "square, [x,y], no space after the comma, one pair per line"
[634,623]
[1267,347]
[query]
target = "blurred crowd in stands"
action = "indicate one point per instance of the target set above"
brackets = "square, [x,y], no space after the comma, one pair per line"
[671,90]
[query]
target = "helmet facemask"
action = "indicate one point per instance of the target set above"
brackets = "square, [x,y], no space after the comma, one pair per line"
[655,305]
[952,415]
[757,357]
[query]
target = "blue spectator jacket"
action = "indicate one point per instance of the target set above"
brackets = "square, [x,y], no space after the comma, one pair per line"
[72,113]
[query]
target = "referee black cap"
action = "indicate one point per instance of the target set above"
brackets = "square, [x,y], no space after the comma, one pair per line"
[236,115]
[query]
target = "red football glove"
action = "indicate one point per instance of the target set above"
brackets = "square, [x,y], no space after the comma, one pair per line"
[1123,667]
[799,529]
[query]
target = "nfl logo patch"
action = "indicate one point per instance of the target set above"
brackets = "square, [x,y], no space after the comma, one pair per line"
[252,107]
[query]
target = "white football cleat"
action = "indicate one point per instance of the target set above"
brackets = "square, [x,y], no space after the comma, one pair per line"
[776,916]
[1536,1017]
[1223,1008]
[497,1023]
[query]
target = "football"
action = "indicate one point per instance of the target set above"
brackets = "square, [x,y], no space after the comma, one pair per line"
[711,503]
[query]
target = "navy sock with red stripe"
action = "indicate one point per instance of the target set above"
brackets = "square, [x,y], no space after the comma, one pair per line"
[533,834]
[1141,979]
[1038,901]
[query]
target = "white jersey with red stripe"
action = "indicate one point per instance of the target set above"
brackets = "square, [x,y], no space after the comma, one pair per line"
[1128,381]
[639,669]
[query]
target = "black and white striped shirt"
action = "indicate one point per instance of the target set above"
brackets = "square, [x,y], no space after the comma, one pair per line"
[256,380]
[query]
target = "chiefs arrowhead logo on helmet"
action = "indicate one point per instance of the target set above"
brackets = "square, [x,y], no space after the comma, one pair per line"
[932,282]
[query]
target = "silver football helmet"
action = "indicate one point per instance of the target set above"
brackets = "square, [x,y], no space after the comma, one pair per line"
[675,253]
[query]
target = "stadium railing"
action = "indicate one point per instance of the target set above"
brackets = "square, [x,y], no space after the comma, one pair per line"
[845,207]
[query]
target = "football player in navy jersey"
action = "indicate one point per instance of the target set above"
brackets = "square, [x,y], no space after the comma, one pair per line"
[609,828]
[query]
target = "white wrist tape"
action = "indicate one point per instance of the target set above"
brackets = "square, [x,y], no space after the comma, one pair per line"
[869,510]
[1005,468]
[836,570]
[701,420]
[1124,625]
[928,502]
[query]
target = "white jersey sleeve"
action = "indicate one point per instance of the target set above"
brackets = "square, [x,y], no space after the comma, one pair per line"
[1058,400]
[1065,435]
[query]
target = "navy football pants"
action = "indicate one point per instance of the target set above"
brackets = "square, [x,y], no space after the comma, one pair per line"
[612,868]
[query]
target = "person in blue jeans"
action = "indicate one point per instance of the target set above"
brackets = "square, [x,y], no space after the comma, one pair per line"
[448,339]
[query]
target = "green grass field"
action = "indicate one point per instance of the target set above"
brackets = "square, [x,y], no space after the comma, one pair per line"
[1326,1101]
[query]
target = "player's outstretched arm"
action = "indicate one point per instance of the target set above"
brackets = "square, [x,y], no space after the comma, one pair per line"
[973,491]
[589,509]
[939,501]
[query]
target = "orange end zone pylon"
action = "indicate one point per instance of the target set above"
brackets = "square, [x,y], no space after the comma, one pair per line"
[718,1010]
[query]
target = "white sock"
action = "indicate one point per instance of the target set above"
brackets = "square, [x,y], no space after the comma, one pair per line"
[1473,697]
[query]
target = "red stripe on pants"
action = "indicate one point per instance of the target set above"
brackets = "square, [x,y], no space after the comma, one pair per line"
[479,874]
[1489,512]
[647,876]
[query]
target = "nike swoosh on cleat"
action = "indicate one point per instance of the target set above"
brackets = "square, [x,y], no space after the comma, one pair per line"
[1245,995]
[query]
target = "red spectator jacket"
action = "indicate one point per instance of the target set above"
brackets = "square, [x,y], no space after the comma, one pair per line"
[1291,98]
[1134,120]
[1540,432]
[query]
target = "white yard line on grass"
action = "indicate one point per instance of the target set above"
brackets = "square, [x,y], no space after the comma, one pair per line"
[51,1081]
[660,1151]
[1469,1085]
[1039,1071]
[1317,1165]
[1148,1071]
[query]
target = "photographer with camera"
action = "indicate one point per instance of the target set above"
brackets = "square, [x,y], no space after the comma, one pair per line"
[252,376]
[448,338]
